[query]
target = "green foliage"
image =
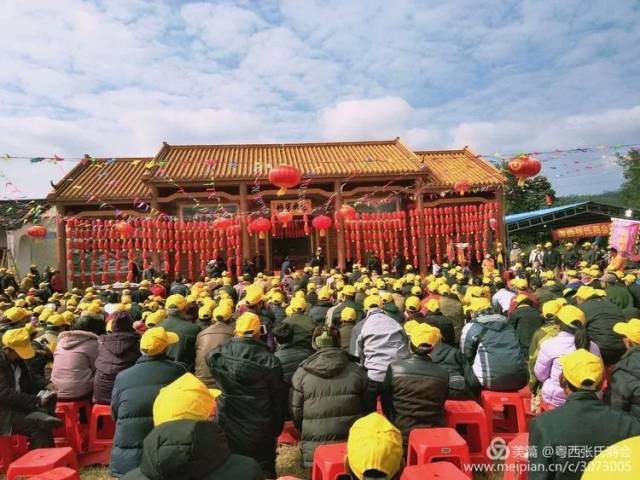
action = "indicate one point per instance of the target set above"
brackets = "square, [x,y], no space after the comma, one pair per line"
[631,171]
[608,198]
[531,196]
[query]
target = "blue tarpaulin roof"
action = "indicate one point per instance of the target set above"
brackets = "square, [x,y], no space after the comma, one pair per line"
[518,217]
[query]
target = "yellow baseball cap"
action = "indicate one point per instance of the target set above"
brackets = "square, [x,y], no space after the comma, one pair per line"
[444,289]
[570,313]
[630,329]
[417,291]
[222,312]
[253,295]
[186,398]
[324,294]
[176,301]
[374,444]
[412,304]
[520,283]
[585,292]
[349,291]
[422,333]
[19,340]
[204,312]
[520,298]
[551,308]
[298,304]
[582,369]
[433,305]
[479,304]
[348,314]
[372,301]
[56,320]
[621,461]
[247,323]
[629,278]
[311,287]
[156,340]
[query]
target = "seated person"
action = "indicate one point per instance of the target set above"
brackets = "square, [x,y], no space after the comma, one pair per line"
[624,386]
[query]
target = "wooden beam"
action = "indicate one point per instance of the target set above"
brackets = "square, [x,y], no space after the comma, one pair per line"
[243,220]
[340,241]
[61,246]
[422,254]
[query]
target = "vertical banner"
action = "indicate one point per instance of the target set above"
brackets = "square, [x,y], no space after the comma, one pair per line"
[624,234]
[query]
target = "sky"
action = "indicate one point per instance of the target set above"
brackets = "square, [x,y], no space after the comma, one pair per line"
[117,77]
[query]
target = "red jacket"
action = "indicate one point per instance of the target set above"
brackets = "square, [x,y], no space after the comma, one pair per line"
[158,290]
[56,283]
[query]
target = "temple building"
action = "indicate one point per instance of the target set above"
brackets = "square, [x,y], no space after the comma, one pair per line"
[357,200]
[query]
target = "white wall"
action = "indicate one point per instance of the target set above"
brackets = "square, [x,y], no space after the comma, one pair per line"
[27,251]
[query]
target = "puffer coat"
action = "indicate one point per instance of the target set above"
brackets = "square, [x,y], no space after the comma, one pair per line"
[116,352]
[74,364]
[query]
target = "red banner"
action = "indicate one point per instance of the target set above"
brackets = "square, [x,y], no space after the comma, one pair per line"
[581,231]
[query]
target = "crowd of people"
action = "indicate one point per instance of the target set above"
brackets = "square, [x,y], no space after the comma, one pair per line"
[201,376]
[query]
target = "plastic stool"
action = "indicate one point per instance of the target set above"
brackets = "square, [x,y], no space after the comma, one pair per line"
[73,433]
[328,461]
[433,471]
[517,460]
[100,437]
[11,447]
[510,407]
[468,419]
[290,435]
[42,460]
[430,445]
[60,473]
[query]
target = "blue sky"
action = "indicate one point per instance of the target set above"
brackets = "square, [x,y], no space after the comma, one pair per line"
[117,77]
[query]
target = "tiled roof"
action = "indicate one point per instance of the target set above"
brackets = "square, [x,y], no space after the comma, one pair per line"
[104,180]
[233,162]
[450,166]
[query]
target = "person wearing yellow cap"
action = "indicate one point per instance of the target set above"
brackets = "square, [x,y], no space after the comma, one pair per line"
[300,322]
[326,395]
[184,443]
[617,292]
[142,293]
[177,322]
[549,328]
[451,307]
[374,449]
[551,259]
[290,353]
[616,261]
[584,425]
[572,336]
[624,384]
[348,295]
[217,333]
[25,398]
[492,348]
[521,286]
[347,321]
[570,257]
[318,311]
[251,410]
[134,392]
[435,318]
[415,388]
[525,320]
[601,315]
[501,299]
[158,289]
[631,282]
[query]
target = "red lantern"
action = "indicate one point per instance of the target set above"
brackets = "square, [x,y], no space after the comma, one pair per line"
[261,225]
[37,231]
[347,212]
[462,187]
[222,223]
[523,167]
[284,176]
[284,218]
[125,229]
[321,223]
[548,199]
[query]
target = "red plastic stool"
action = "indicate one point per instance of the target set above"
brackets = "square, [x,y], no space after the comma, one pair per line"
[11,447]
[433,471]
[505,413]
[60,473]
[516,461]
[468,419]
[42,460]
[101,431]
[290,435]
[328,461]
[430,445]
[74,432]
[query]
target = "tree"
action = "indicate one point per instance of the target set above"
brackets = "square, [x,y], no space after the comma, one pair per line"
[531,196]
[631,171]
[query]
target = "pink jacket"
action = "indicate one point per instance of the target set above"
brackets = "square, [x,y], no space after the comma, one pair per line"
[548,368]
[74,364]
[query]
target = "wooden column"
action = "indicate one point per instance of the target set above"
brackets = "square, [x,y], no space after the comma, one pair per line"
[340,244]
[267,254]
[501,232]
[244,207]
[61,246]
[422,255]
[155,256]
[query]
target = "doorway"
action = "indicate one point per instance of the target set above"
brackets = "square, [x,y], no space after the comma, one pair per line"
[298,249]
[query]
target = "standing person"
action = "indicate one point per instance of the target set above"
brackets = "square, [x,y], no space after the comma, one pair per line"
[571,257]
[185,350]
[220,332]
[624,387]
[117,351]
[286,267]
[493,349]
[134,392]
[414,388]
[571,337]
[24,398]
[583,425]
[514,253]
[318,259]
[251,409]
[536,255]
[601,316]
[158,289]
[327,394]
[381,340]
[551,258]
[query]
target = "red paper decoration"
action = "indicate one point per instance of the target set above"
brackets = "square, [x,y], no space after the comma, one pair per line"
[523,167]
[125,229]
[347,212]
[284,218]
[261,225]
[37,231]
[462,187]
[284,176]
[322,223]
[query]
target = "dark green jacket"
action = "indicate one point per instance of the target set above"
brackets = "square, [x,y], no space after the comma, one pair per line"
[134,392]
[318,312]
[551,258]
[601,316]
[303,328]
[624,386]
[444,324]
[619,295]
[460,375]
[251,409]
[392,310]
[546,294]
[634,290]
[525,320]
[581,424]
[185,350]
[349,302]
[452,309]
[191,450]
[291,355]
[327,396]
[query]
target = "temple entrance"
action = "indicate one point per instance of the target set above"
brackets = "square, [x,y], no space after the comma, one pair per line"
[298,249]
